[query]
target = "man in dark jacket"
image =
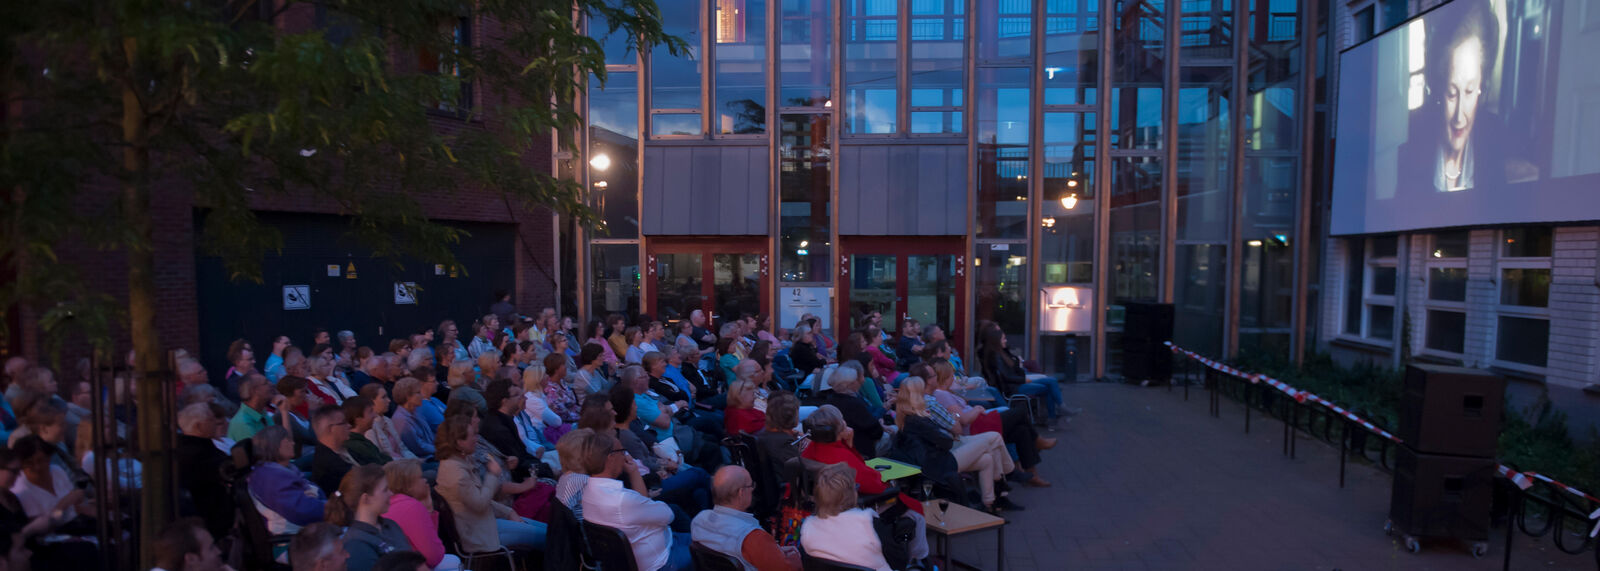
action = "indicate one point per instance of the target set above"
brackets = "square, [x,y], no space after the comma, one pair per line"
[200,468]
[499,427]
[330,462]
[360,413]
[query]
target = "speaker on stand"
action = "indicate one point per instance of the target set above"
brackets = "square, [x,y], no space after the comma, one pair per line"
[1444,470]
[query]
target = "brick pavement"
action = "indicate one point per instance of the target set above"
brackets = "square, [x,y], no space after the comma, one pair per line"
[1145,480]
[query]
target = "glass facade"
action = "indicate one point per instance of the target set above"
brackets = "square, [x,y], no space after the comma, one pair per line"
[1174,175]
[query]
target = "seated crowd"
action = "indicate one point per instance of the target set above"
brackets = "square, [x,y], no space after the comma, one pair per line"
[434,449]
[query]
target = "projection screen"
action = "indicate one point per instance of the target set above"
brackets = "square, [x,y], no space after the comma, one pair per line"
[1477,113]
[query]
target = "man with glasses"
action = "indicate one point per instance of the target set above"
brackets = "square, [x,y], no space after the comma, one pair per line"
[729,528]
[330,462]
[629,509]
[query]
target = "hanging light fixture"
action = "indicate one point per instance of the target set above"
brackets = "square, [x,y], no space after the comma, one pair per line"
[1069,201]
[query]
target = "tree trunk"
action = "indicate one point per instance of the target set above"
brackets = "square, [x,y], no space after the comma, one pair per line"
[156,501]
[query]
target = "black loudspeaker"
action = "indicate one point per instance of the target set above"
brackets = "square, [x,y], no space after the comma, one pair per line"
[1146,326]
[1441,496]
[1451,410]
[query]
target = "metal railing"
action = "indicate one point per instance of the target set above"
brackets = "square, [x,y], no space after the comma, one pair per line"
[1534,503]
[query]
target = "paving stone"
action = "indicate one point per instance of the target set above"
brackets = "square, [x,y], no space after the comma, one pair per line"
[1144,480]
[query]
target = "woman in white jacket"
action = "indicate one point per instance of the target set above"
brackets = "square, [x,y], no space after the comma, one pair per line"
[839,531]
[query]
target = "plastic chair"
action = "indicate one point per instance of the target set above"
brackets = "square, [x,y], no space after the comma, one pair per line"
[708,559]
[452,540]
[610,547]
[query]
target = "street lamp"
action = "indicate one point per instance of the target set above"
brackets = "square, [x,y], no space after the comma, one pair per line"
[600,162]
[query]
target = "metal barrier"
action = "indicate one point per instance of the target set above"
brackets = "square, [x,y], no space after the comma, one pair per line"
[1533,502]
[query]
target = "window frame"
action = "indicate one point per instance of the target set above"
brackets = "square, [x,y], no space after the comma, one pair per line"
[1429,304]
[1368,299]
[1502,263]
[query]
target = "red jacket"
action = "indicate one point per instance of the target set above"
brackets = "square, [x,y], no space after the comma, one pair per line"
[868,481]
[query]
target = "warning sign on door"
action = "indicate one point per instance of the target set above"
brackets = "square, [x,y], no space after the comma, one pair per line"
[296,297]
[405,293]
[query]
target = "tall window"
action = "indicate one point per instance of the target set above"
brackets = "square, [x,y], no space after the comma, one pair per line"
[614,152]
[1005,30]
[1378,279]
[1067,250]
[938,65]
[740,51]
[1004,98]
[455,99]
[805,54]
[871,66]
[804,159]
[1522,332]
[1071,56]
[675,79]
[1445,325]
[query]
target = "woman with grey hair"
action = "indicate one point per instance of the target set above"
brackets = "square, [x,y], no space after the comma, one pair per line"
[871,433]
[285,498]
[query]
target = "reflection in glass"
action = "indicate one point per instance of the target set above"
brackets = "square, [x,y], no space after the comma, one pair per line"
[1199,292]
[674,124]
[1526,287]
[1135,228]
[804,158]
[740,50]
[675,79]
[1274,76]
[1527,242]
[1136,99]
[614,135]
[736,283]
[931,291]
[614,279]
[614,44]
[1203,188]
[1447,284]
[1067,250]
[678,291]
[1071,52]
[1380,322]
[871,66]
[1002,276]
[1005,29]
[805,54]
[938,62]
[1207,29]
[1003,135]
[872,288]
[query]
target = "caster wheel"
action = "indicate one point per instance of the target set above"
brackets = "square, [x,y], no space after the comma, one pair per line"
[1413,545]
[1480,549]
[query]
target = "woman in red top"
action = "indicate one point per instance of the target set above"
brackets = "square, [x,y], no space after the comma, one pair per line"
[833,447]
[741,414]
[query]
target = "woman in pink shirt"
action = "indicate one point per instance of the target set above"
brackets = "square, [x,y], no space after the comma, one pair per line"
[412,508]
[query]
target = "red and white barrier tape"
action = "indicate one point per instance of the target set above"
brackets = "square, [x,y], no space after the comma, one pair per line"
[1522,480]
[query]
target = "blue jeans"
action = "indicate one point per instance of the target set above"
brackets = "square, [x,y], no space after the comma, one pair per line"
[1050,388]
[689,489]
[526,534]
[678,558]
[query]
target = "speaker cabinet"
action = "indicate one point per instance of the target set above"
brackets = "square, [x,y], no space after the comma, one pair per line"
[1441,496]
[1451,410]
[1146,326]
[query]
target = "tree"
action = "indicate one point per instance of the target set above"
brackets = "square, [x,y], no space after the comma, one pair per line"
[112,102]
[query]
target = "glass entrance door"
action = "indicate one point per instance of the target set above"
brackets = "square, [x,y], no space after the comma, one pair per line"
[723,277]
[917,278]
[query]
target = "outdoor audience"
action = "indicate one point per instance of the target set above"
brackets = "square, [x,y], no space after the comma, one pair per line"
[354,446]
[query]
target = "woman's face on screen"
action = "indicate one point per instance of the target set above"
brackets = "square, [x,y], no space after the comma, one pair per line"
[1462,92]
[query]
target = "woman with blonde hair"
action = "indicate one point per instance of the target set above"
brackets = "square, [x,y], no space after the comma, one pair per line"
[921,434]
[1012,424]
[411,507]
[549,400]
[839,531]
[742,416]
